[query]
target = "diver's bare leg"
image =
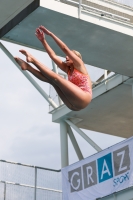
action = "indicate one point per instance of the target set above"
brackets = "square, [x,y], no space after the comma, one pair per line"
[40,76]
[77,97]
[25,66]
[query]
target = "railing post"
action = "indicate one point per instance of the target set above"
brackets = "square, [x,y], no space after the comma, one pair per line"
[105,77]
[79,11]
[35,192]
[105,74]
[5,191]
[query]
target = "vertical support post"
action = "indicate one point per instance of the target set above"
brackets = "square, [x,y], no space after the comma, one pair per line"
[105,77]
[35,192]
[5,191]
[54,67]
[64,144]
[60,101]
[105,74]
[79,10]
[74,142]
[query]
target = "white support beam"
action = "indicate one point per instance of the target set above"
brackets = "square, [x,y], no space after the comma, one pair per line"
[74,142]
[93,144]
[33,82]
[105,76]
[64,144]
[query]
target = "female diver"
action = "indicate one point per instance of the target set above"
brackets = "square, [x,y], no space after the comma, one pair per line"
[76,92]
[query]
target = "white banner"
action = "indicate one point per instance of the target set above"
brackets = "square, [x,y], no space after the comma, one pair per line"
[99,175]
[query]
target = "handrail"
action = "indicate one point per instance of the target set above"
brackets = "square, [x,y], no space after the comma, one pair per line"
[92,9]
[113,2]
[32,166]
[30,186]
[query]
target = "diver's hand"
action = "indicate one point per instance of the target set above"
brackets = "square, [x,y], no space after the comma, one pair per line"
[40,34]
[46,31]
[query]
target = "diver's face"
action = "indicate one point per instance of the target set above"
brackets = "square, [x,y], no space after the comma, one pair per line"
[68,61]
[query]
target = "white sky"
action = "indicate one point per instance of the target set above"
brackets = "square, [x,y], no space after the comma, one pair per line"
[26,129]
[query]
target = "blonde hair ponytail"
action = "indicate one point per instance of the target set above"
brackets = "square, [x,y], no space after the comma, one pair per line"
[77,53]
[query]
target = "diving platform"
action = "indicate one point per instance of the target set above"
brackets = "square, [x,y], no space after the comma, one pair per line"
[102,32]
[103,38]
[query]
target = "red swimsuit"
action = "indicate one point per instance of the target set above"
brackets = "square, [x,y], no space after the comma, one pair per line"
[80,79]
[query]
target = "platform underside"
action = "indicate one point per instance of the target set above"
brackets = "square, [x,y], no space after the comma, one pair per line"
[99,46]
[13,12]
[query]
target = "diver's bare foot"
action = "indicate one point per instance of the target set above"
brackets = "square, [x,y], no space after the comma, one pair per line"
[29,57]
[22,63]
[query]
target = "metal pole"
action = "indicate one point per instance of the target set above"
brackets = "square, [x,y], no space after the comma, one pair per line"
[74,142]
[33,82]
[79,10]
[64,144]
[35,188]
[54,67]
[105,76]
[93,144]
[60,101]
[5,191]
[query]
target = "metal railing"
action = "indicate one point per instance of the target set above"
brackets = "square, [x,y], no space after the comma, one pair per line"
[95,7]
[125,2]
[20,181]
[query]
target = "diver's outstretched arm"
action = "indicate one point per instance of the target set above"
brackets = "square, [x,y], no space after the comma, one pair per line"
[40,35]
[77,61]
